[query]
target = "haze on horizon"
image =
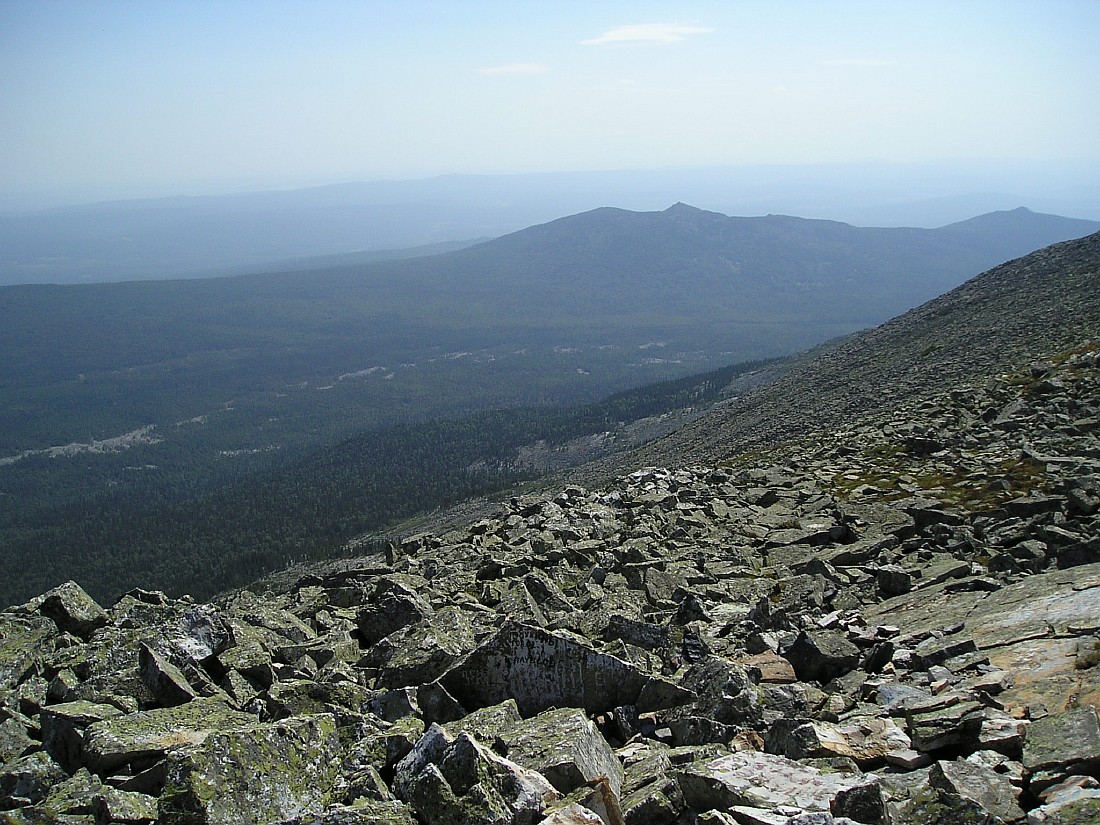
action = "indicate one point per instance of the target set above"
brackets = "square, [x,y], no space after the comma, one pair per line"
[124,99]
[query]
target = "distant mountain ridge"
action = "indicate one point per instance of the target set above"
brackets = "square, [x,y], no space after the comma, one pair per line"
[194,236]
[852,275]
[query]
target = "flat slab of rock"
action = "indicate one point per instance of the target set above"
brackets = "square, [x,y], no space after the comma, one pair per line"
[1064,740]
[111,743]
[760,780]
[1030,627]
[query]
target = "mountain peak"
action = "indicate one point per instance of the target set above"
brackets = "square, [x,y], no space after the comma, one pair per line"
[681,208]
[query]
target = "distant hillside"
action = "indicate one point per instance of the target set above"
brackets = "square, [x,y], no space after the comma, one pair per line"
[216,405]
[1037,304]
[556,313]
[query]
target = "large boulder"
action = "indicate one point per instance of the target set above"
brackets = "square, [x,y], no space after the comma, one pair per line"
[542,669]
[821,655]
[991,791]
[261,773]
[73,610]
[864,739]
[149,735]
[460,782]
[565,747]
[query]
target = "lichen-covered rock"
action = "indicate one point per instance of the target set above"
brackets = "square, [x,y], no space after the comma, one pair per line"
[1063,741]
[991,791]
[24,641]
[262,773]
[1074,801]
[419,653]
[163,679]
[487,724]
[266,614]
[14,739]
[73,610]
[301,697]
[63,726]
[111,743]
[650,794]
[124,807]
[362,812]
[565,747]
[391,606]
[723,692]
[459,781]
[28,780]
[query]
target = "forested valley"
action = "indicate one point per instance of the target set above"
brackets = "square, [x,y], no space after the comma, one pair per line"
[201,538]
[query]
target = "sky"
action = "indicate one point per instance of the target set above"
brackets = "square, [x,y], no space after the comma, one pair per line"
[188,96]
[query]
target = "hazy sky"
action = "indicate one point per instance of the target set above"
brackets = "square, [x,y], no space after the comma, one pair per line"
[164,96]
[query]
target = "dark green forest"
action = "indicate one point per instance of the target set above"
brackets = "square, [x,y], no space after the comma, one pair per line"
[138,533]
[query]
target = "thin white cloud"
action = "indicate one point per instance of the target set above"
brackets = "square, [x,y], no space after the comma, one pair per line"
[649,33]
[516,68]
[858,61]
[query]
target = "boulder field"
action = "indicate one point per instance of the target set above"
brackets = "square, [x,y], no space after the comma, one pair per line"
[896,621]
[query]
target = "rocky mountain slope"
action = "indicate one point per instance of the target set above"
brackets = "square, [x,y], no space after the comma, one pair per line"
[886,611]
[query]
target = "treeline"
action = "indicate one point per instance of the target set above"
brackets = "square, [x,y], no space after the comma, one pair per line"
[206,541]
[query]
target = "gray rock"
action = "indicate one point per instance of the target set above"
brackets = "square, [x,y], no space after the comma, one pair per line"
[261,773]
[958,724]
[1074,801]
[1063,743]
[361,812]
[992,792]
[29,779]
[63,729]
[391,606]
[566,748]
[892,580]
[459,781]
[540,669]
[14,739]
[73,610]
[163,679]
[821,655]
[759,780]
[24,641]
[863,803]
[865,739]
